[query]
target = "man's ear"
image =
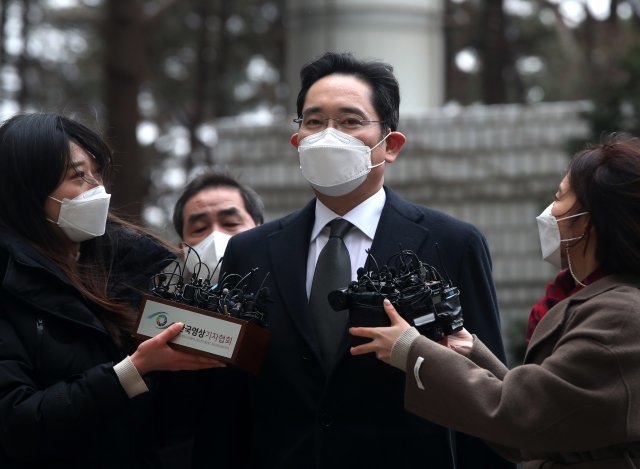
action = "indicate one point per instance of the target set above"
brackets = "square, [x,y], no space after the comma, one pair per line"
[294,140]
[394,143]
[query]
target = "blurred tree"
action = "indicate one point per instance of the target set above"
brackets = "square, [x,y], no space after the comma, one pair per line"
[130,66]
[154,74]
[3,22]
[498,68]
[480,53]
[616,105]
[22,62]
[503,51]
[191,78]
[124,38]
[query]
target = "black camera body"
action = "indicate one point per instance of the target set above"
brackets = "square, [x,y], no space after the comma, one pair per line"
[418,292]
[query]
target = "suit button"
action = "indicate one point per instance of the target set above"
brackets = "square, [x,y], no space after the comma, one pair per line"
[325,420]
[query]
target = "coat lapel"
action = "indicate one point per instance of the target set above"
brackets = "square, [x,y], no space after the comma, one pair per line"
[546,329]
[290,270]
[556,317]
[397,230]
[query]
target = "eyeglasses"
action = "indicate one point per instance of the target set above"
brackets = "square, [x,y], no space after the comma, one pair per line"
[343,121]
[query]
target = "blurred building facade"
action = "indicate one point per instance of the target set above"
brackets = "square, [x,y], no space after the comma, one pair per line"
[407,34]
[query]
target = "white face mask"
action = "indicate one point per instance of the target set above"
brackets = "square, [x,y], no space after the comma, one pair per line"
[209,251]
[549,233]
[335,163]
[85,216]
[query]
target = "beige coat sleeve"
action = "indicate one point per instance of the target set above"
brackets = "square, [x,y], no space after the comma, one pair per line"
[580,397]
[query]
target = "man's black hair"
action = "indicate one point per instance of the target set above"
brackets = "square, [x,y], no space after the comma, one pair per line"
[379,75]
[212,179]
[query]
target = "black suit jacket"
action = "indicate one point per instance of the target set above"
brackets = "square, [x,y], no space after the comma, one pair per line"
[354,415]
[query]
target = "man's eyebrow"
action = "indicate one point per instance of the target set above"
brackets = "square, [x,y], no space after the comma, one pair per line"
[342,110]
[230,211]
[194,217]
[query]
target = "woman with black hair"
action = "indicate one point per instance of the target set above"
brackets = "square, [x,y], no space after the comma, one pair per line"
[575,402]
[72,392]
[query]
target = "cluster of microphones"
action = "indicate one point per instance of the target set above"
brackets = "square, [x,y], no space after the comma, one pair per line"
[232,295]
[424,298]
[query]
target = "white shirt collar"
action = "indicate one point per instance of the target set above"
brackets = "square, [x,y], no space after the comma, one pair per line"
[365,216]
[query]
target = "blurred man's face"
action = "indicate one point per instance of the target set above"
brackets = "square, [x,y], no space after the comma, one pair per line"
[214,209]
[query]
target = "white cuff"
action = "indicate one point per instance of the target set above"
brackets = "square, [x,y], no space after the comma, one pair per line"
[400,349]
[129,378]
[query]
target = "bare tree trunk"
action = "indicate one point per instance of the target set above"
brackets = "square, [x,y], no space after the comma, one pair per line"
[3,21]
[280,49]
[199,152]
[124,64]
[612,19]
[494,53]
[22,62]
[220,97]
[449,52]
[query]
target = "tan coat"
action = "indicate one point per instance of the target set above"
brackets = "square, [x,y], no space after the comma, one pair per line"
[575,402]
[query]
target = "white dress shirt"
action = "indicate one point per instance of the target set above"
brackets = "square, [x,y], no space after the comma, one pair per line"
[364,218]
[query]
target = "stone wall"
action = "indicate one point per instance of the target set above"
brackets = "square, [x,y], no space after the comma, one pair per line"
[497,167]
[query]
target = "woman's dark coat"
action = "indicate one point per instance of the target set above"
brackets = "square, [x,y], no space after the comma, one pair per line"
[61,404]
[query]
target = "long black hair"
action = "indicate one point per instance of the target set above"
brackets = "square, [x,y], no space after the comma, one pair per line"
[35,155]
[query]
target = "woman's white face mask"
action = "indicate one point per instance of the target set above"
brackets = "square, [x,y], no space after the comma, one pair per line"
[549,232]
[85,216]
[335,163]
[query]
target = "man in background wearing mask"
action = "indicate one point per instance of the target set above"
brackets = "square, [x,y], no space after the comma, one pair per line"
[315,405]
[212,208]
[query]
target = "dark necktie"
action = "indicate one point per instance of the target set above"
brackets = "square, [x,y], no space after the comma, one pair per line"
[333,271]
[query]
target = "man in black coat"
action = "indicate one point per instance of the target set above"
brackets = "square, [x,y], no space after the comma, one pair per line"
[311,411]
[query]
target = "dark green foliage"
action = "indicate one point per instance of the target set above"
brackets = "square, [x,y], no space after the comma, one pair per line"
[616,104]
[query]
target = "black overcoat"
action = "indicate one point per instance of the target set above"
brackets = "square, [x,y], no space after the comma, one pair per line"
[354,416]
[61,404]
